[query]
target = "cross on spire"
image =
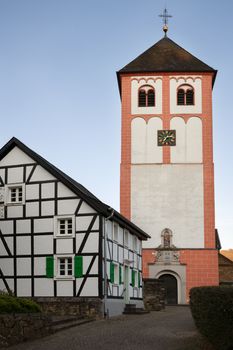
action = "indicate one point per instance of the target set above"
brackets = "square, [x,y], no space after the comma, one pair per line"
[165,17]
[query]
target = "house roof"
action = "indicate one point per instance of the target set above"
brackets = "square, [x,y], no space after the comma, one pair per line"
[75,186]
[166,56]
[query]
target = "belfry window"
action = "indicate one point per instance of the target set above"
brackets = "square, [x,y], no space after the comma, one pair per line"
[185,95]
[146,96]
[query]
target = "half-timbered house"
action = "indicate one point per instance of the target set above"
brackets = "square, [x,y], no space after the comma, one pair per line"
[58,240]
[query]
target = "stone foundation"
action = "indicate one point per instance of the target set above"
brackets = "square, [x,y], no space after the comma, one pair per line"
[88,307]
[15,328]
[153,294]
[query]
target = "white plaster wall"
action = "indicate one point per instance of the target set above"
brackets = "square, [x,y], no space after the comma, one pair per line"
[144,148]
[64,245]
[169,196]
[32,191]
[63,191]
[15,175]
[43,244]
[47,208]
[92,243]
[86,209]
[86,264]
[83,222]
[47,190]
[136,83]
[6,227]
[15,211]
[64,288]
[90,288]
[24,287]
[196,83]
[43,225]
[40,266]
[178,152]
[138,140]
[44,287]
[32,209]
[23,245]
[40,174]
[67,206]
[188,147]
[23,266]
[153,151]
[7,266]
[16,157]
[194,140]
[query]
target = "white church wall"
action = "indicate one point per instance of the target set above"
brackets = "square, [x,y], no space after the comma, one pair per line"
[188,148]
[196,83]
[153,151]
[194,140]
[160,193]
[138,143]
[144,148]
[156,83]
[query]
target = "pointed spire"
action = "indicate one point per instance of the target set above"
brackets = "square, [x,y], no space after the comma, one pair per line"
[165,17]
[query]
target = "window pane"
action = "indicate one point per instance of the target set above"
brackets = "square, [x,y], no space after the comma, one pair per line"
[151,98]
[189,97]
[180,97]
[142,98]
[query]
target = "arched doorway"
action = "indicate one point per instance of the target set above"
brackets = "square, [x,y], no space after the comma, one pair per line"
[170,284]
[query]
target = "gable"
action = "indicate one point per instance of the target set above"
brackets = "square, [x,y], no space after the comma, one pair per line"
[15,157]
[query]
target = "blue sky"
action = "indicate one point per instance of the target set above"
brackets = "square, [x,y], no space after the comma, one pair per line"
[58,87]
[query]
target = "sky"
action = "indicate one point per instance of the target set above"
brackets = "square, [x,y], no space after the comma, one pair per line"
[59,92]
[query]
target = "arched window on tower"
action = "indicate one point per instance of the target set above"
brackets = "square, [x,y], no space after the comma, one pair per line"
[185,95]
[146,96]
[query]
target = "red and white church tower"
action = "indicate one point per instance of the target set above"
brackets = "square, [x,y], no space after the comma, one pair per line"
[167,170]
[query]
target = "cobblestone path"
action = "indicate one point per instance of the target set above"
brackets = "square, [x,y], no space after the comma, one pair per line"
[172,329]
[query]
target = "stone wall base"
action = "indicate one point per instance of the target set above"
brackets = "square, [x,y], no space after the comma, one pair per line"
[15,328]
[88,307]
[154,294]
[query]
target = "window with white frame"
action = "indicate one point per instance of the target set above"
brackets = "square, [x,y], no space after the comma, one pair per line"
[114,273]
[64,226]
[15,194]
[115,231]
[135,243]
[126,238]
[65,266]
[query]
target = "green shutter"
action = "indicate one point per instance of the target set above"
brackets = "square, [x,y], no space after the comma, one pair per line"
[120,275]
[111,272]
[139,282]
[78,266]
[133,278]
[49,266]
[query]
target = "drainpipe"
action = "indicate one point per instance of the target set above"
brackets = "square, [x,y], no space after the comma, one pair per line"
[105,260]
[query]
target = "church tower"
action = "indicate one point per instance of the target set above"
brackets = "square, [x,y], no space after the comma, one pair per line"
[167,171]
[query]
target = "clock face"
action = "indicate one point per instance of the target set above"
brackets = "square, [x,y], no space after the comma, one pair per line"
[166,137]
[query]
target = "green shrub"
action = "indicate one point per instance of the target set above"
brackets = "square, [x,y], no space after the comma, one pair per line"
[212,310]
[11,304]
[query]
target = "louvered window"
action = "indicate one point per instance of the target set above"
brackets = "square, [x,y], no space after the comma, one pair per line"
[185,96]
[146,96]
[151,98]
[180,97]
[142,98]
[189,97]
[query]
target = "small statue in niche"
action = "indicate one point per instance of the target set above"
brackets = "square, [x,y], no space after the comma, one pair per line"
[167,239]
